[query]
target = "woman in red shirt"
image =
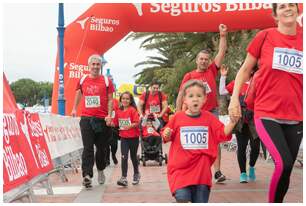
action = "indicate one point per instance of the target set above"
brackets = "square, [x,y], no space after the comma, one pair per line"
[278,105]
[127,119]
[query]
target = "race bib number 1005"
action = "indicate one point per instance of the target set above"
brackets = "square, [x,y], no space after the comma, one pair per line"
[195,137]
[288,60]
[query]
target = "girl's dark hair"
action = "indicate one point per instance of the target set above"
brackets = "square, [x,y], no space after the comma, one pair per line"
[132,103]
[274,7]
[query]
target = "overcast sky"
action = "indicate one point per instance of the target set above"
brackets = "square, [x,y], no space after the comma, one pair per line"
[29,38]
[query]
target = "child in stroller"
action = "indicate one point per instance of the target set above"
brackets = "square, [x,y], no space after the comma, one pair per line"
[151,141]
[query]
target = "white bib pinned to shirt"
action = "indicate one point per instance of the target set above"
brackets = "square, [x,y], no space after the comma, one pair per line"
[288,60]
[194,137]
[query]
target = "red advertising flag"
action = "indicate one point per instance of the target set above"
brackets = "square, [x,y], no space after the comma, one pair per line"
[9,102]
[33,131]
[15,162]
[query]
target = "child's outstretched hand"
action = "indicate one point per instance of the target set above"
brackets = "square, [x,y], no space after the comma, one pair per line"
[167,134]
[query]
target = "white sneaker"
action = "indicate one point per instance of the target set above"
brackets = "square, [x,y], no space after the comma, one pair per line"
[101,177]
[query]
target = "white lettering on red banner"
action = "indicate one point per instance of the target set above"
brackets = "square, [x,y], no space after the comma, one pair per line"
[176,9]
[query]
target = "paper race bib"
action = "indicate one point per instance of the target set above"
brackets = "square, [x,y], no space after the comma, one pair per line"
[288,60]
[92,101]
[150,130]
[208,90]
[195,137]
[154,109]
[124,122]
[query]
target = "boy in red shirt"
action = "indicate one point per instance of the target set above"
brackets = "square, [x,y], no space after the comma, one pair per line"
[195,135]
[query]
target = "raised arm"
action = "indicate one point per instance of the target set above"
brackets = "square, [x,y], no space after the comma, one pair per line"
[222,87]
[222,45]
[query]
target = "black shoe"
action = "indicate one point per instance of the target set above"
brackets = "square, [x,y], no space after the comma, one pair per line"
[87,182]
[219,177]
[115,159]
[136,179]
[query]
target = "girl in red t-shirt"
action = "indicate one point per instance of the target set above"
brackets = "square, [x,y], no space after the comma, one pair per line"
[194,136]
[278,105]
[127,119]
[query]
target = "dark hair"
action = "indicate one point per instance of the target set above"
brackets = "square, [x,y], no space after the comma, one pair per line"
[204,51]
[274,7]
[155,82]
[192,83]
[132,103]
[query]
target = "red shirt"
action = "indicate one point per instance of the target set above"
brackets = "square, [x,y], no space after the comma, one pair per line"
[279,83]
[230,88]
[127,117]
[94,96]
[193,166]
[209,78]
[149,131]
[153,104]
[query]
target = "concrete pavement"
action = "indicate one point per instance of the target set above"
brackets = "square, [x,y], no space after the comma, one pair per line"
[154,188]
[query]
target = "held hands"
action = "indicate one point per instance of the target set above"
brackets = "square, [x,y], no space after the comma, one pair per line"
[234,110]
[73,112]
[223,30]
[167,134]
[108,120]
[224,70]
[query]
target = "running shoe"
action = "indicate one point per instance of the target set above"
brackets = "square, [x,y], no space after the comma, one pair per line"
[252,176]
[219,177]
[136,179]
[243,178]
[122,182]
[87,182]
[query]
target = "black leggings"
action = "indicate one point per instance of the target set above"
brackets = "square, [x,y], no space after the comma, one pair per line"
[126,145]
[283,143]
[243,138]
[113,145]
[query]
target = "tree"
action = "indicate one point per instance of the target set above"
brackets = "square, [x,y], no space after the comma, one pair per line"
[177,53]
[29,92]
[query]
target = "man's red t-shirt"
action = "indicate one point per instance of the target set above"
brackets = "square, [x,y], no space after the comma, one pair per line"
[94,96]
[194,148]
[209,78]
[279,80]
[153,104]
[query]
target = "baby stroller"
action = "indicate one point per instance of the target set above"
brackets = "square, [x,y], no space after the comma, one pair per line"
[151,141]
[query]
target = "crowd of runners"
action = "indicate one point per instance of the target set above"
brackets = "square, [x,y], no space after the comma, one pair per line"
[265,106]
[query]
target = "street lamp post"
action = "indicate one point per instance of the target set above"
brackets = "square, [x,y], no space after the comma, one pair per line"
[61,31]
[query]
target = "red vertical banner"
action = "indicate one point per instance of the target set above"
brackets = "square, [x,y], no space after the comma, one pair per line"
[35,136]
[15,167]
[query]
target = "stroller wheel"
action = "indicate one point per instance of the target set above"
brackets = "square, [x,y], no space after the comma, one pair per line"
[166,158]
